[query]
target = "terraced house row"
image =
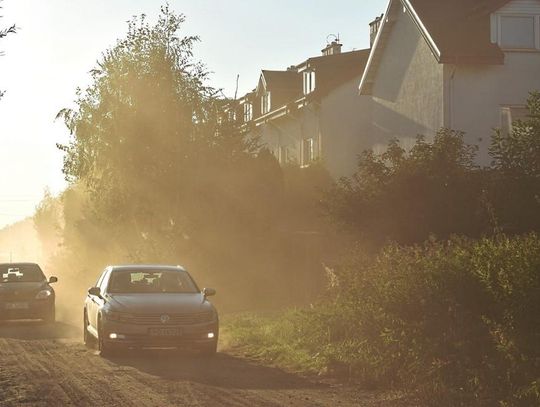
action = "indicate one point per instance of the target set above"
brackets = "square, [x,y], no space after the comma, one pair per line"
[468,65]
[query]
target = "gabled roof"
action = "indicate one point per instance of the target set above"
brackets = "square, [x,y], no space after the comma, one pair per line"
[460,28]
[333,70]
[457,31]
[280,80]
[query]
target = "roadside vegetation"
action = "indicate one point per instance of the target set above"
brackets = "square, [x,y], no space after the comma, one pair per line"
[457,321]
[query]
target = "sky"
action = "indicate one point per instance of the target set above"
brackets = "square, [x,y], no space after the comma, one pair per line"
[59,41]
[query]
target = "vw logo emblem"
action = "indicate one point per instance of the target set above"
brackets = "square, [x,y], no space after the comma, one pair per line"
[164,319]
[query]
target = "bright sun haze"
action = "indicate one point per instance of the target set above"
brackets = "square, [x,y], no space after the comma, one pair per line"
[59,41]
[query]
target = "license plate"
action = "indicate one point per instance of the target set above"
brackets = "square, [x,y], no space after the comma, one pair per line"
[17,305]
[165,332]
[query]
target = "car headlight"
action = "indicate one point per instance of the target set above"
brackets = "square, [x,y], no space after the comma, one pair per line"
[43,294]
[113,316]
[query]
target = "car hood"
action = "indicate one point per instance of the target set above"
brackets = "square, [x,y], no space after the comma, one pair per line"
[10,288]
[158,303]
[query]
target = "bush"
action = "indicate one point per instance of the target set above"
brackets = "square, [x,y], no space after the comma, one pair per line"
[459,321]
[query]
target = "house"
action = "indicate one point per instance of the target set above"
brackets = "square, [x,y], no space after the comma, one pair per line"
[468,65]
[311,111]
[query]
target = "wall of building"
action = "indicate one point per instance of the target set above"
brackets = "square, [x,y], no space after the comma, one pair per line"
[345,128]
[289,131]
[339,126]
[408,91]
[478,93]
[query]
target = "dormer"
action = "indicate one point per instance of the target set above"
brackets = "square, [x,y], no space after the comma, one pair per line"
[266,102]
[309,81]
[516,26]
[277,88]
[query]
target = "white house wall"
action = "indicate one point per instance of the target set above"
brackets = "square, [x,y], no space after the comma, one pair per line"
[289,131]
[339,126]
[345,128]
[478,93]
[408,88]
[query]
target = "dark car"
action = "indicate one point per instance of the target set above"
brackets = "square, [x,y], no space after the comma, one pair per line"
[25,292]
[140,306]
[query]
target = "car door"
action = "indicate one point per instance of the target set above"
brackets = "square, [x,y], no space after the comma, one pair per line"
[93,303]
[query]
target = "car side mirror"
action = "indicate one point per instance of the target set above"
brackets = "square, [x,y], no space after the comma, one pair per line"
[95,291]
[209,292]
[53,280]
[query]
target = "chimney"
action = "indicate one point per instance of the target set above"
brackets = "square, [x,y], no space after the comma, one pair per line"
[333,48]
[374,29]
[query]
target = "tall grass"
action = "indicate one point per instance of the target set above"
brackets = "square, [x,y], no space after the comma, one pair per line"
[457,321]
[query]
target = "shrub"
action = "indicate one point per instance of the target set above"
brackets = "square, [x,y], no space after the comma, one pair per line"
[459,321]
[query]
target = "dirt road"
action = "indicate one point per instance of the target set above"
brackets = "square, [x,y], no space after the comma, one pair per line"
[49,366]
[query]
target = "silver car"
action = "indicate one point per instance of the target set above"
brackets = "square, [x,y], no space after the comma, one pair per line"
[136,306]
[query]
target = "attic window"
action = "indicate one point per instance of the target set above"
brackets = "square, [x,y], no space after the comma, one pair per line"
[516,32]
[248,112]
[308,152]
[309,82]
[265,103]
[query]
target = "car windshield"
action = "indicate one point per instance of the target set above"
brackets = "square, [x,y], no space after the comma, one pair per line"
[151,281]
[27,273]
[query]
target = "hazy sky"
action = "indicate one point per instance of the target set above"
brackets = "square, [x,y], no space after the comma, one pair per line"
[59,41]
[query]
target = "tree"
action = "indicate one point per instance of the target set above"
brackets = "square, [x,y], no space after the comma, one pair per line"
[435,188]
[515,181]
[146,135]
[3,33]
[158,173]
[518,154]
[47,222]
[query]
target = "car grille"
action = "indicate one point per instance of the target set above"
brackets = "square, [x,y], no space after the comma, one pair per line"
[18,296]
[156,319]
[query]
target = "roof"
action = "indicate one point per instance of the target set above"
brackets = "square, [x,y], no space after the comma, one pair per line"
[282,80]
[334,70]
[18,264]
[457,31]
[459,28]
[331,70]
[145,267]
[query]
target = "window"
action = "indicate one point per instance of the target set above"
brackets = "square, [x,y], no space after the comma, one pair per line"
[516,31]
[232,115]
[307,151]
[511,114]
[265,103]
[309,82]
[283,155]
[248,112]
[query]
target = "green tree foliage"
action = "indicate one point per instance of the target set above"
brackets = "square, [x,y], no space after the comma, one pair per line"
[408,196]
[515,179]
[149,149]
[3,33]
[518,154]
[47,218]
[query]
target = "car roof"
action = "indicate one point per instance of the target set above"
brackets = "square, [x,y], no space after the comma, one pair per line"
[19,264]
[145,267]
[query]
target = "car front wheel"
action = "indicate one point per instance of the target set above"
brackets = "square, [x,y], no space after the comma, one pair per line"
[50,318]
[88,338]
[106,349]
[209,349]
